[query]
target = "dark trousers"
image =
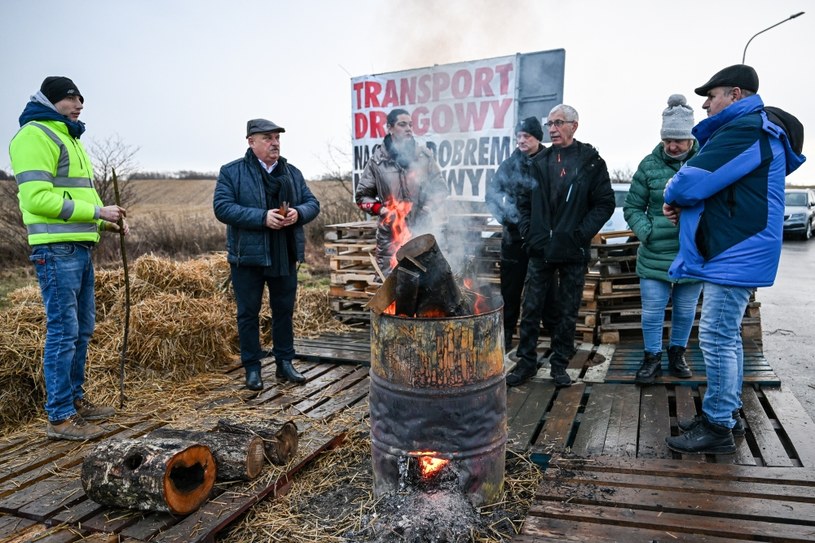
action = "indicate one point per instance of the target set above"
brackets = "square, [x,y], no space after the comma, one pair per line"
[539,278]
[514,264]
[248,283]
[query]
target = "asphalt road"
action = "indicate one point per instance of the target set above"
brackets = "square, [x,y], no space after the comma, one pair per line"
[788,321]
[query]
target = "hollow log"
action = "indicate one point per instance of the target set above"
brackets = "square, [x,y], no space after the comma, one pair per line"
[437,294]
[279,439]
[165,475]
[238,456]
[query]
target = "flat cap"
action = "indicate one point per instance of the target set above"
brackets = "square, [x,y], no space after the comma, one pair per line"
[738,75]
[255,126]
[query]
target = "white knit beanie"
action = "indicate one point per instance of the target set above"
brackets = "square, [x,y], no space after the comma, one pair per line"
[677,119]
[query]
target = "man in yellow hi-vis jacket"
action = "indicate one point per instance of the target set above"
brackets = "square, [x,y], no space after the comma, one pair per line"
[63,215]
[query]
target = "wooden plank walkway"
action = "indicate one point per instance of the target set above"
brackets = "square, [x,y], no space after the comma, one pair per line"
[583,429]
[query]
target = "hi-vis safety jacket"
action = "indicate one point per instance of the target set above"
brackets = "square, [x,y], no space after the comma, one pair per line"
[55,184]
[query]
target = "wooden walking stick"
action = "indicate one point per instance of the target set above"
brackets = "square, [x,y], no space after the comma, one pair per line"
[123,352]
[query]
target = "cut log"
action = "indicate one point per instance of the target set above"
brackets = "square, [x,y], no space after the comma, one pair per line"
[438,294]
[279,439]
[165,475]
[407,291]
[238,456]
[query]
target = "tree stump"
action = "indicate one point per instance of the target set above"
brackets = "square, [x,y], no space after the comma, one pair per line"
[279,439]
[238,456]
[165,475]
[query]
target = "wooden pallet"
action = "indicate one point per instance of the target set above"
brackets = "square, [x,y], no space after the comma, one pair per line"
[628,358]
[606,499]
[590,419]
[359,230]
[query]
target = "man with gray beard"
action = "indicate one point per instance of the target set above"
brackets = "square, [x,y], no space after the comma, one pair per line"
[569,203]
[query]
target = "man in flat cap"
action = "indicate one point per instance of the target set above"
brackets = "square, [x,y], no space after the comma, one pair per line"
[64,217]
[731,199]
[264,201]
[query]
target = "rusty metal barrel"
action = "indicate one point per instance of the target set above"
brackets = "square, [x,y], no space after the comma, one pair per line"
[437,388]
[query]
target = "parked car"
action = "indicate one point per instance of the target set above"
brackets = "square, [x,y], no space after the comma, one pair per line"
[799,212]
[617,222]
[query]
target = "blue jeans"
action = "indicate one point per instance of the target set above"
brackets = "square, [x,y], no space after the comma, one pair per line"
[65,274]
[248,283]
[720,340]
[655,295]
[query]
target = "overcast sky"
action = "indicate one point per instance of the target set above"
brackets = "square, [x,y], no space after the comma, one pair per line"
[179,79]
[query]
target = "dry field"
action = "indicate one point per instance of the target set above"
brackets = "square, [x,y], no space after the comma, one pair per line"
[196,194]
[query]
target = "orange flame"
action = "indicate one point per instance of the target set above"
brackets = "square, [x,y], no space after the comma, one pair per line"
[429,465]
[481,304]
[396,219]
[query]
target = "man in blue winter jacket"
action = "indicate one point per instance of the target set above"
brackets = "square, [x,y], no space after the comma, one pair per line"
[264,201]
[731,199]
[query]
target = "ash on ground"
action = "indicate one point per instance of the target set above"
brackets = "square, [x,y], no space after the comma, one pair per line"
[437,516]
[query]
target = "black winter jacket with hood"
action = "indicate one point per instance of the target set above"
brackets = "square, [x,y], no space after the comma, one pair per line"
[562,233]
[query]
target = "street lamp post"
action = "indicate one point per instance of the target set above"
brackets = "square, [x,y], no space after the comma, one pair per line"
[744,55]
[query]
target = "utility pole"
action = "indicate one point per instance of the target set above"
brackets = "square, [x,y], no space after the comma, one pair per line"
[744,55]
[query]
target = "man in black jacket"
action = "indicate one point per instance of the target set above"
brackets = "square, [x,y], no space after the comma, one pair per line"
[569,203]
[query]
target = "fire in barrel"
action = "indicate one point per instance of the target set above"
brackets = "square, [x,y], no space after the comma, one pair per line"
[438,395]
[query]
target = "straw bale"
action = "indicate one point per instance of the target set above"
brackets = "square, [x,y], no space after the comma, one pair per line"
[179,335]
[29,295]
[20,399]
[199,277]
[109,290]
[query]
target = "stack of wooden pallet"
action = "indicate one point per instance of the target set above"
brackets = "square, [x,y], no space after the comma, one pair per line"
[616,309]
[610,311]
[354,279]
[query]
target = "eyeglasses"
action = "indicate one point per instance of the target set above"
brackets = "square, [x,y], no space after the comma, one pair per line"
[557,123]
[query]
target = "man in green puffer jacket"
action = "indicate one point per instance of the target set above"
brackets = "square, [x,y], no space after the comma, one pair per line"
[659,245]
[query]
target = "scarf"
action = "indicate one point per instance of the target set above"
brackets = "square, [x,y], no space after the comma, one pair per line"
[277,186]
[41,109]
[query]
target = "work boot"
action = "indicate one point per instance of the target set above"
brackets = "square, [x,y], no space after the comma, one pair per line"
[90,411]
[677,366]
[650,369]
[286,371]
[74,428]
[704,437]
[560,377]
[557,369]
[738,430]
[253,379]
[520,375]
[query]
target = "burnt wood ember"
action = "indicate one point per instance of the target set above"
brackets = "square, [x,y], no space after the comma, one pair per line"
[437,294]
[165,475]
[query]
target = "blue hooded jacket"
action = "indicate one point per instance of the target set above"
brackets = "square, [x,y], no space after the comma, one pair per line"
[732,198]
